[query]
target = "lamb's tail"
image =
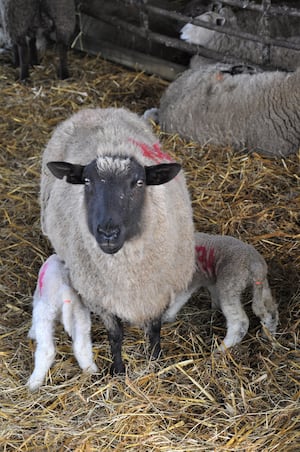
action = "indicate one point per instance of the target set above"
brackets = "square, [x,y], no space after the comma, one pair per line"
[152,115]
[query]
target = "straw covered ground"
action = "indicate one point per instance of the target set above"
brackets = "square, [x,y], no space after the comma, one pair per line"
[192,399]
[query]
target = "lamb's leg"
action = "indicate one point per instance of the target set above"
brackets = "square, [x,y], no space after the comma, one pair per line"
[45,349]
[114,329]
[153,332]
[215,302]
[81,335]
[236,318]
[181,299]
[264,305]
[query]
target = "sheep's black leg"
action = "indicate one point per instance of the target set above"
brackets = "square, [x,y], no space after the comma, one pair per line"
[115,336]
[153,331]
[33,52]
[63,61]
[16,60]
[23,59]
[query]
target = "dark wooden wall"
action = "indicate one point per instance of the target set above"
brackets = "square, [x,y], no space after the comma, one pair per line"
[144,34]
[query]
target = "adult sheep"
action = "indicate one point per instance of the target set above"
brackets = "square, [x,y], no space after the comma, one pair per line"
[26,20]
[257,111]
[232,47]
[123,227]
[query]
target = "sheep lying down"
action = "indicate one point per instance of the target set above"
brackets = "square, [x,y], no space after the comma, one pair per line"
[117,211]
[226,266]
[55,299]
[252,111]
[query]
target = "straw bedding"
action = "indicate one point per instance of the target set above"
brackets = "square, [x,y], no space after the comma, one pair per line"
[192,399]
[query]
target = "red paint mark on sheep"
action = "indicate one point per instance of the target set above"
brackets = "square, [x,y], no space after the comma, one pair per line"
[67,301]
[153,152]
[42,276]
[219,77]
[206,260]
[258,283]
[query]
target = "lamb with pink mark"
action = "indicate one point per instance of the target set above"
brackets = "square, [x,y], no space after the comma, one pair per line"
[55,299]
[226,266]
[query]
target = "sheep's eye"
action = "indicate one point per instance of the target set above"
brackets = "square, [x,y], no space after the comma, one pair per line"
[139,183]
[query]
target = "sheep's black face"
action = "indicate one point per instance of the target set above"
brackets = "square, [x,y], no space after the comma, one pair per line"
[114,194]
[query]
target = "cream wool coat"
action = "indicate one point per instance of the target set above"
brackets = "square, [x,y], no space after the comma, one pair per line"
[253,111]
[139,281]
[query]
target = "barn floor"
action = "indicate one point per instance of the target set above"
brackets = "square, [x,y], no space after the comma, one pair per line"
[193,399]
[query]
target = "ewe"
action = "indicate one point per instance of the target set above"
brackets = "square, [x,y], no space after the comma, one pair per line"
[253,111]
[117,211]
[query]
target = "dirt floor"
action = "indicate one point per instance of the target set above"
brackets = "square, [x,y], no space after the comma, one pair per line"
[193,399]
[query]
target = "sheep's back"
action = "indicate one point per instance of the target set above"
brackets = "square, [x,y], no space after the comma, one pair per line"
[245,110]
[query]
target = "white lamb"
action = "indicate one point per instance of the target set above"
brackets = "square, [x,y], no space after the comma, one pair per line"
[226,266]
[54,299]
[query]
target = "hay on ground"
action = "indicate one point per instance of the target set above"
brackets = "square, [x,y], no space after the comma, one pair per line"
[192,399]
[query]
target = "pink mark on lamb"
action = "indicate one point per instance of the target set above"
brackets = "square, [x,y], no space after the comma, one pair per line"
[42,276]
[153,152]
[206,260]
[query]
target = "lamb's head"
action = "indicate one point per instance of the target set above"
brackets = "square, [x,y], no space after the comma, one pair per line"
[196,34]
[115,188]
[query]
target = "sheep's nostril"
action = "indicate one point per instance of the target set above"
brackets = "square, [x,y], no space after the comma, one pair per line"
[109,233]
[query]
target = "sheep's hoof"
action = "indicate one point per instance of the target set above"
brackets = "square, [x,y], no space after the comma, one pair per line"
[92,369]
[156,352]
[63,73]
[117,369]
[33,384]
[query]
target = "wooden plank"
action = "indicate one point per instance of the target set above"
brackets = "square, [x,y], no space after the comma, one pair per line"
[130,58]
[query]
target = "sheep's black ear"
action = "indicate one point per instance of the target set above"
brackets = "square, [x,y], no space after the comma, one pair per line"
[72,172]
[160,174]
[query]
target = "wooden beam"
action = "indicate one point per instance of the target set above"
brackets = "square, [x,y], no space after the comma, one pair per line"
[129,58]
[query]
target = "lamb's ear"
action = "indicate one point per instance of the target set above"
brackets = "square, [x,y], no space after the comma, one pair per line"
[160,174]
[72,172]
